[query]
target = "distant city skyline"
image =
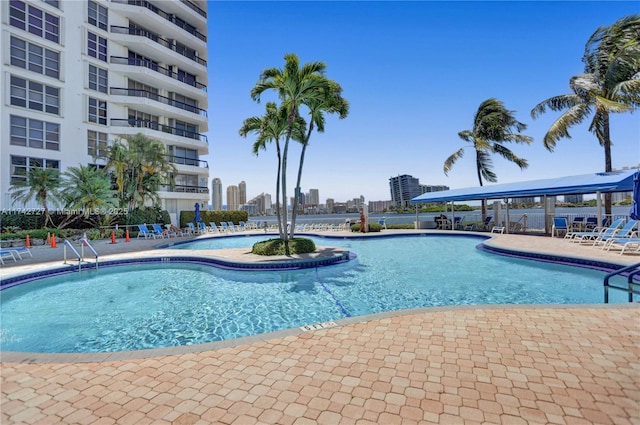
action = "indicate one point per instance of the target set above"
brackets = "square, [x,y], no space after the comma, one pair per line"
[414,74]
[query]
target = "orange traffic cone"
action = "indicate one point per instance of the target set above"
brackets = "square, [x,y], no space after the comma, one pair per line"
[27,244]
[127,238]
[48,238]
[113,237]
[53,241]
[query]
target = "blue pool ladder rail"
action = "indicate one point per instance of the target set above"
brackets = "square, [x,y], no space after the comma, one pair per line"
[633,287]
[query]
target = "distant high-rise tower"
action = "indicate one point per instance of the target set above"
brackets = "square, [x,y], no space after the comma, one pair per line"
[242,193]
[314,197]
[216,194]
[232,198]
[403,189]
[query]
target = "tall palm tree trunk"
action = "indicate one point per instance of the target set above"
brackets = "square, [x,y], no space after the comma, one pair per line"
[278,205]
[299,179]
[47,216]
[606,143]
[484,201]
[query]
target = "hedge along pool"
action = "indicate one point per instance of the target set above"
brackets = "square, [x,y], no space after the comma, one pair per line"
[164,304]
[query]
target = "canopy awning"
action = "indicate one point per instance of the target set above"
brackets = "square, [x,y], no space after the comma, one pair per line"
[614,181]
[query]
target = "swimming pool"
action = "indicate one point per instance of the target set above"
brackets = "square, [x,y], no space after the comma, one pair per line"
[168,304]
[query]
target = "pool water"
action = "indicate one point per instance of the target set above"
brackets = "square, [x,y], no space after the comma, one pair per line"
[171,304]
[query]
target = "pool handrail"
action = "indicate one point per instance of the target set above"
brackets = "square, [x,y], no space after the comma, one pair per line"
[66,244]
[634,269]
[85,242]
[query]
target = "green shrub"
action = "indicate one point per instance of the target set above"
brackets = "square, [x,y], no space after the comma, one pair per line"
[39,233]
[373,227]
[207,216]
[401,226]
[148,215]
[276,247]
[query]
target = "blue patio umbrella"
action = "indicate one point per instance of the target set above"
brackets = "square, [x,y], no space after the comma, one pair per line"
[635,203]
[197,207]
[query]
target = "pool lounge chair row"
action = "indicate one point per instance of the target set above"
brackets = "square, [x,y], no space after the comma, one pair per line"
[619,235]
[14,253]
[223,227]
[156,231]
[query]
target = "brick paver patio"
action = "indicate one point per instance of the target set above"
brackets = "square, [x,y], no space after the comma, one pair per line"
[472,365]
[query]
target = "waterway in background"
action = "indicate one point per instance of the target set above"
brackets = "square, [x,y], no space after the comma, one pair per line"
[535,216]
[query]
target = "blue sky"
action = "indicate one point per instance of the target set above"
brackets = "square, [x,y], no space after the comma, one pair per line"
[414,74]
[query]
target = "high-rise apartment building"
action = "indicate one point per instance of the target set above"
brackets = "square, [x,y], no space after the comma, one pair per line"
[403,189]
[242,193]
[314,197]
[232,198]
[216,194]
[77,75]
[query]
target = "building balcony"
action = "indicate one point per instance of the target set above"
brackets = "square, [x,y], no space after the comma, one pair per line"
[186,189]
[169,44]
[118,91]
[141,63]
[181,160]
[191,5]
[179,23]
[153,125]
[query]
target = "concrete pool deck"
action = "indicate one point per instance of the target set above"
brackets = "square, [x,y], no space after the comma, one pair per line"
[505,364]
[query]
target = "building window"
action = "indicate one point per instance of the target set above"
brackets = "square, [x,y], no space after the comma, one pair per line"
[97,15]
[97,46]
[97,111]
[30,18]
[35,133]
[35,58]
[96,143]
[185,129]
[20,166]
[139,60]
[185,77]
[34,95]
[98,78]
[142,119]
[54,3]
[184,156]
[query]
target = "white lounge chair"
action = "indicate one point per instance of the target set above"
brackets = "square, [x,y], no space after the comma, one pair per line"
[5,253]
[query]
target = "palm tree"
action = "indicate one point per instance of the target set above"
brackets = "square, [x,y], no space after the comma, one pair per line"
[331,102]
[41,184]
[141,167]
[118,161]
[609,85]
[295,86]
[493,125]
[88,189]
[271,127]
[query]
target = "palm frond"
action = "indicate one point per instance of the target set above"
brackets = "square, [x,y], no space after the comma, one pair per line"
[485,166]
[560,127]
[555,103]
[448,163]
[507,154]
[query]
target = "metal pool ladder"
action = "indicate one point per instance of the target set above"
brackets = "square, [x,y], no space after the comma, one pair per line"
[79,256]
[633,287]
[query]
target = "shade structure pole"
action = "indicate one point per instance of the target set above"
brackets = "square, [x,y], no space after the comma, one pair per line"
[453,216]
[417,218]
[506,228]
[599,205]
